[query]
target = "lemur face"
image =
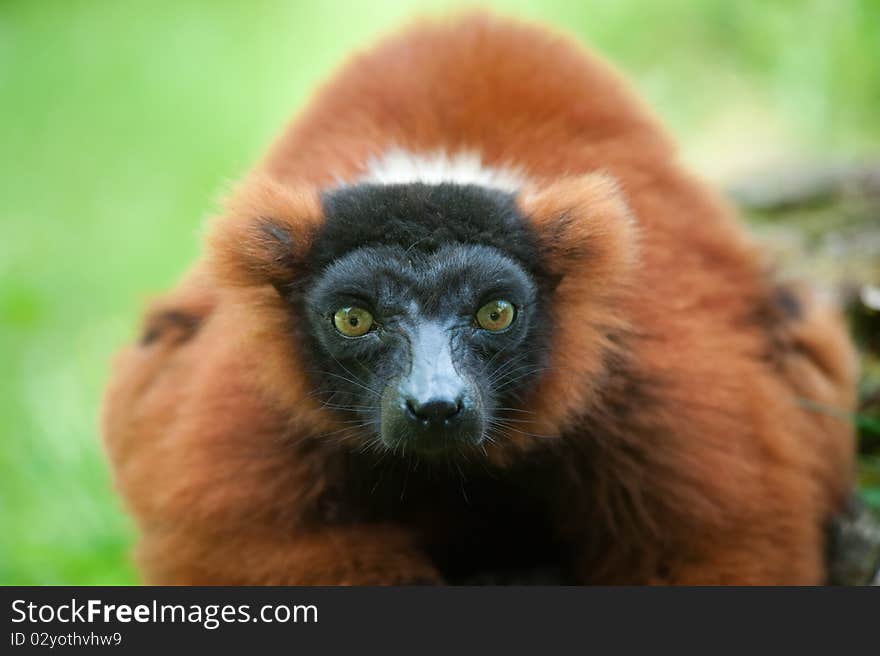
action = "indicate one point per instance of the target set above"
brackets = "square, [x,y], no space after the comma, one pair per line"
[423,340]
[425,348]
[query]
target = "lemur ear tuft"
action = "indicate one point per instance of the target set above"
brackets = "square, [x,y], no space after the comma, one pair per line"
[584,228]
[263,235]
[588,239]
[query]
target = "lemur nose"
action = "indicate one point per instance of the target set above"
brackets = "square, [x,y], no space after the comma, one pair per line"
[435,411]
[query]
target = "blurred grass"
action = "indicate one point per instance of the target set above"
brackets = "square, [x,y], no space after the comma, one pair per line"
[121,122]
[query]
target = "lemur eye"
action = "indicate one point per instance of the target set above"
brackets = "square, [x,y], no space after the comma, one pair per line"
[496,315]
[352,321]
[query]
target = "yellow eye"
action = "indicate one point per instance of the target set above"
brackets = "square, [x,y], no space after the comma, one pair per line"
[353,321]
[496,315]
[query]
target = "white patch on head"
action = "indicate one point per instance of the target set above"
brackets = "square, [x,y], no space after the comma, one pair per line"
[399,166]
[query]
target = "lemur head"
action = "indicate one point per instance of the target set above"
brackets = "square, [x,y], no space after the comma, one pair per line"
[425,316]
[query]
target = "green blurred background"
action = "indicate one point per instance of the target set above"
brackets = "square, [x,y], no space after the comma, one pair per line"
[122,122]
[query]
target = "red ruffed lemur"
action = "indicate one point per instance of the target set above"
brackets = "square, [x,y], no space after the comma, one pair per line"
[470,321]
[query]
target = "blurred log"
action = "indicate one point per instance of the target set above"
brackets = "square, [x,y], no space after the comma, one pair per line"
[788,190]
[820,222]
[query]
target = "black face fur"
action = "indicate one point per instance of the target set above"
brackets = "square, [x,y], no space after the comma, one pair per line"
[426,379]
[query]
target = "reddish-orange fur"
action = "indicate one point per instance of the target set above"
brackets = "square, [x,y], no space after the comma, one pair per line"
[210,427]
